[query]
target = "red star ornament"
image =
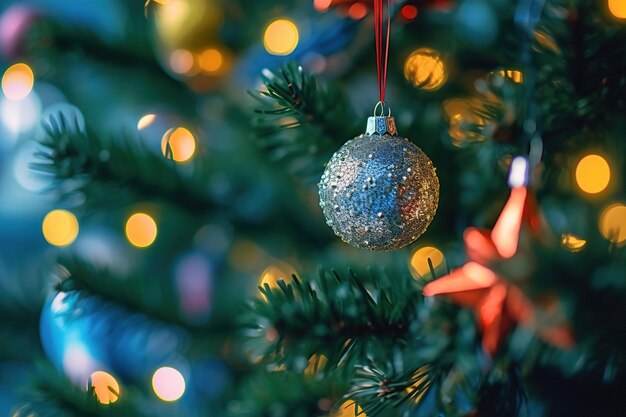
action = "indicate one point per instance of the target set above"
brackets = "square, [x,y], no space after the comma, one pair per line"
[498,304]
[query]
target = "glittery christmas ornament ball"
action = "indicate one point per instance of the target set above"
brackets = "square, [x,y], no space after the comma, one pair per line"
[379,191]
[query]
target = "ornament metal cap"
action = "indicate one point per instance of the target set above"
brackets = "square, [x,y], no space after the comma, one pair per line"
[381,124]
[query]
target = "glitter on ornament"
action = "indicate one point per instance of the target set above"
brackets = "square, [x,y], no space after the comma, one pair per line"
[379,191]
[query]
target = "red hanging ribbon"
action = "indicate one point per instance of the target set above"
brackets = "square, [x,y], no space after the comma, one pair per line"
[382,51]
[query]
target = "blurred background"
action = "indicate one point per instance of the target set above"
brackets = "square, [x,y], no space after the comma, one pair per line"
[159,162]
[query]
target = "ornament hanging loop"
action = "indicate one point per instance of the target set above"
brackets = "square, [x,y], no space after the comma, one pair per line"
[382,105]
[379,124]
[381,36]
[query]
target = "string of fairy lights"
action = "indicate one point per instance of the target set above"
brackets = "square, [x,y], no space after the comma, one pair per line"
[424,68]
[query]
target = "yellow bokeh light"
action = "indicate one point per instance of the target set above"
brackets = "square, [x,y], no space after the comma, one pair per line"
[168,384]
[421,384]
[316,364]
[17,81]
[60,227]
[425,69]
[181,142]
[593,174]
[141,230]
[105,388]
[419,260]
[187,24]
[347,409]
[277,272]
[465,120]
[613,223]
[572,242]
[247,256]
[513,75]
[547,41]
[146,121]
[182,61]
[211,60]
[281,37]
[618,8]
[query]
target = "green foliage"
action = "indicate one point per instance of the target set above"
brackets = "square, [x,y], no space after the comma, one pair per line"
[76,274]
[391,348]
[375,340]
[20,305]
[151,295]
[339,317]
[582,82]
[52,394]
[502,394]
[117,171]
[591,282]
[299,122]
[283,393]
[373,389]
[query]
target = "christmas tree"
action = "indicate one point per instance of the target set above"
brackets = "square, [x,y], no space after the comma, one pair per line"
[169,170]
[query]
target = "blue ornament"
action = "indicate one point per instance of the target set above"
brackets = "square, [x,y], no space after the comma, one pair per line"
[379,191]
[84,333]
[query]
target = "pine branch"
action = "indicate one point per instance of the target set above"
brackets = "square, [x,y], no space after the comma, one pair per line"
[79,275]
[20,304]
[454,383]
[121,67]
[58,37]
[51,394]
[115,172]
[501,395]
[275,394]
[341,318]
[434,374]
[300,122]
[374,390]
[139,296]
[582,79]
